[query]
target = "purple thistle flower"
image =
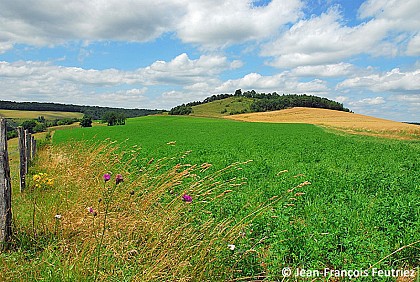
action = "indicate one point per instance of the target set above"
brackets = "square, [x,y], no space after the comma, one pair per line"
[92,211]
[107,177]
[118,179]
[187,198]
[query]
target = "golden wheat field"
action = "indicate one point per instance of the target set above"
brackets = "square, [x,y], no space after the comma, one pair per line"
[348,122]
[50,115]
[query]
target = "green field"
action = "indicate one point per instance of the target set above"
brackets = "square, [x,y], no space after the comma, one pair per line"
[345,202]
[363,202]
[17,114]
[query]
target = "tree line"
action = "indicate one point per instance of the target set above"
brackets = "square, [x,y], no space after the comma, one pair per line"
[264,102]
[40,124]
[95,112]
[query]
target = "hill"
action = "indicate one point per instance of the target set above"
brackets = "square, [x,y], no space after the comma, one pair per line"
[345,121]
[95,111]
[262,102]
[48,115]
[219,108]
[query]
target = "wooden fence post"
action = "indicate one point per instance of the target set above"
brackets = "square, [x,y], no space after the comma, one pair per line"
[33,148]
[27,149]
[5,190]
[22,154]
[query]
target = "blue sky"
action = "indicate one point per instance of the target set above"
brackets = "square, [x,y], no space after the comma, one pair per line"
[130,53]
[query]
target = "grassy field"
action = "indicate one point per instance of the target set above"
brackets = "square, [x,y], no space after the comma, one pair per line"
[348,122]
[15,114]
[223,107]
[309,199]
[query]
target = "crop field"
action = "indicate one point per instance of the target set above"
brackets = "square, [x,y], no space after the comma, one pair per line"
[48,115]
[296,196]
[348,122]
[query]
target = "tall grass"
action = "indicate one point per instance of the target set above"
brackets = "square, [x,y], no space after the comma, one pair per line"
[139,230]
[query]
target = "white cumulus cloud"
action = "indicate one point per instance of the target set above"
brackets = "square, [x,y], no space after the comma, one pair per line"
[386,28]
[44,81]
[283,83]
[394,80]
[215,23]
[331,70]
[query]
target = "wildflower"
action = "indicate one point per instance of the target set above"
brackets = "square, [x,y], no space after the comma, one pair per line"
[50,182]
[92,211]
[132,192]
[231,247]
[187,198]
[36,177]
[57,216]
[107,177]
[118,179]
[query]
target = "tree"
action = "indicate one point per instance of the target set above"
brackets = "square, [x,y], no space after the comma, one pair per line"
[86,121]
[29,125]
[181,110]
[39,127]
[113,118]
[238,92]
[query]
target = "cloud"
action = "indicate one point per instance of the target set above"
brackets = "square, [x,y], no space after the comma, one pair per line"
[331,70]
[216,23]
[44,81]
[206,22]
[322,40]
[341,99]
[368,101]
[283,83]
[394,80]
[409,98]
[400,15]
[49,22]
[326,39]
[5,46]
[184,70]
[413,48]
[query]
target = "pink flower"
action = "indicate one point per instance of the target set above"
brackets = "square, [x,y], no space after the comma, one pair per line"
[92,211]
[118,179]
[187,198]
[107,177]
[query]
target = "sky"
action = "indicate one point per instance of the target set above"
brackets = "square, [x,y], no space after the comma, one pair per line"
[162,53]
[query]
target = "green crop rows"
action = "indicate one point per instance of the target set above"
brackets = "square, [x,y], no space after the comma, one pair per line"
[362,204]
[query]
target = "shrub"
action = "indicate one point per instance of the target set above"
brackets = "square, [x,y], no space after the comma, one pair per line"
[86,121]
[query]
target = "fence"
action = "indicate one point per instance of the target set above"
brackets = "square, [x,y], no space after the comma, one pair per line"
[27,152]
[5,190]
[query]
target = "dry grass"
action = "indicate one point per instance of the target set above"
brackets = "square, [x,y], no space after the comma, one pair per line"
[343,121]
[149,233]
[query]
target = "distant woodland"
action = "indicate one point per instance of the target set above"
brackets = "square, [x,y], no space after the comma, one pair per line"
[264,102]
[110,116]
[94,111]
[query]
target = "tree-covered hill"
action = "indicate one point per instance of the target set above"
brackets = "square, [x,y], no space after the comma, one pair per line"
[263,102]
